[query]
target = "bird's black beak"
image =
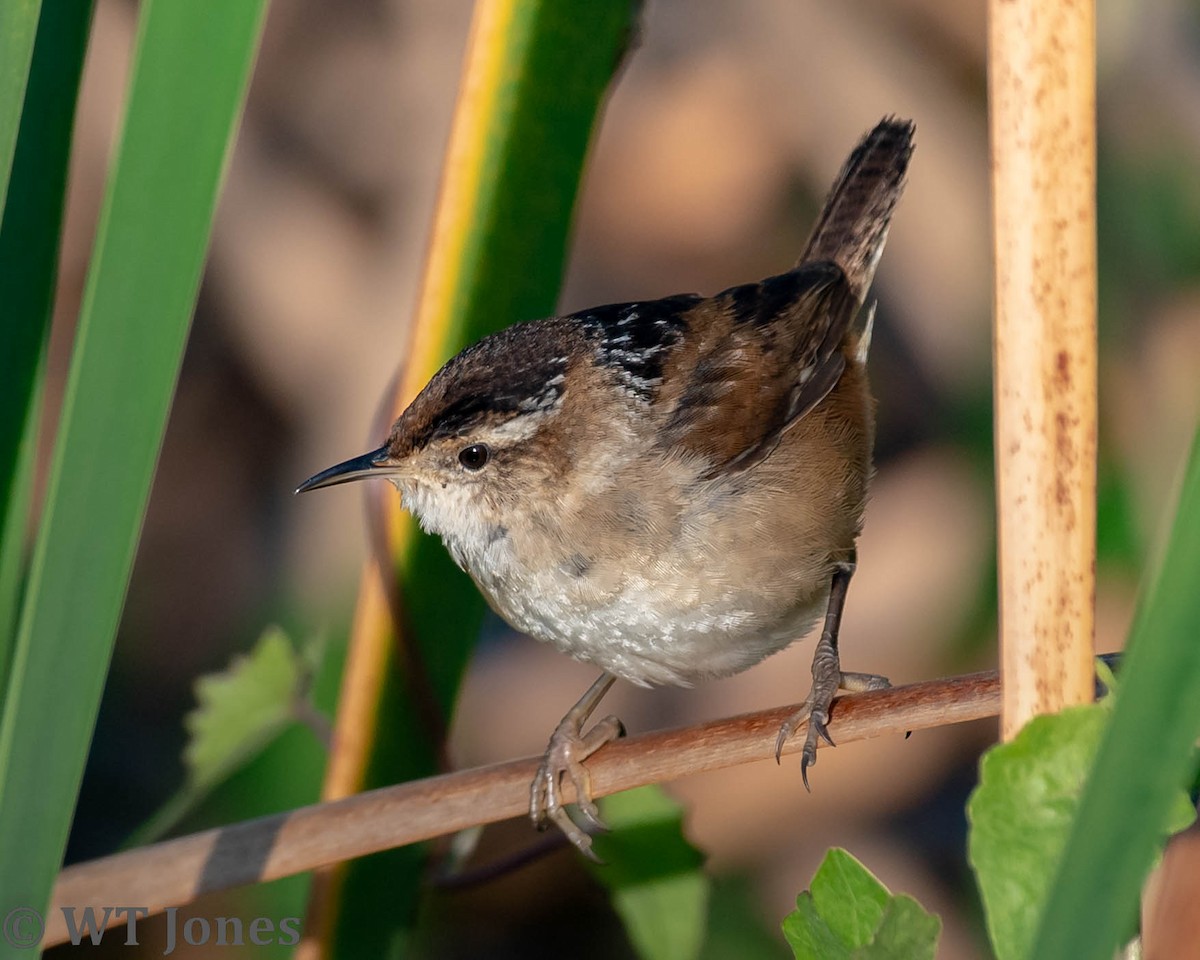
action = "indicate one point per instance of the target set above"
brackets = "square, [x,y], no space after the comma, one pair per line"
[373,464]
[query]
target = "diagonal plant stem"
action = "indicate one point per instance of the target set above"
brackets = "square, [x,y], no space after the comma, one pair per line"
[536,73]
[178,871]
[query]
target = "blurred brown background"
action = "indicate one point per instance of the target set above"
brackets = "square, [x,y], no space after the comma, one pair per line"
[722,135]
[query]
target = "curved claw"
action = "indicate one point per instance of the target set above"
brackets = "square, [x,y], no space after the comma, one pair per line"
[817,724]
[817,719]
[589,812]
[817,730]
[816,727]
[789,726]
[785,731]
[564,757]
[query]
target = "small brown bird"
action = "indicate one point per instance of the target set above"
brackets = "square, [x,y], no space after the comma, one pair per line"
[669,489]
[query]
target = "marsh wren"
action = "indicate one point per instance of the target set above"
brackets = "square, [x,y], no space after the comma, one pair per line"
[668,489]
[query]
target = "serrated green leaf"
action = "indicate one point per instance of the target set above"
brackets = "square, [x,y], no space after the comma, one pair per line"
[656,878]
[1021,814]
[849,898]
[849,914]
[240,709]
[809,935]
[240,712]
[907,931]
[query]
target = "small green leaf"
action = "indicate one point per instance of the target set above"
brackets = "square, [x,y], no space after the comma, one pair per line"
[240,710]
[809,935]
[849,914]
[239,713]
[1021,814]
[655,877]
[849,898]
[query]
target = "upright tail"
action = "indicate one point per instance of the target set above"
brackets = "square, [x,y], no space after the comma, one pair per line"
[853,224]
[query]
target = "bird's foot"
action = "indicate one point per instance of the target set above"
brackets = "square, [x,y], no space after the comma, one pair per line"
[828,678]
[569,747]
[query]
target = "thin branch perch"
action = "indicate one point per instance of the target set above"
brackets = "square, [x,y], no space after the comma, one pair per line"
[176,872]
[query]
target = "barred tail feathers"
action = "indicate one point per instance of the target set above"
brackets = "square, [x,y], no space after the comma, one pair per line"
[853,224]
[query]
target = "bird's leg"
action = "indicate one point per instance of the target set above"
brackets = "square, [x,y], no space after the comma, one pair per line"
[569,747]
[828,677]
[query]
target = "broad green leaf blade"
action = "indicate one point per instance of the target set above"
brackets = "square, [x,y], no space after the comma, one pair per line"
[1145,757]
[239,712]
[29,240]
[187,85]
[13,520]
[18,26]
[1020,813]
[539,74]
[656,878]
[849,915]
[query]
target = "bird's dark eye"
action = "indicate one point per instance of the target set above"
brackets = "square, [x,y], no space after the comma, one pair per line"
[474,457]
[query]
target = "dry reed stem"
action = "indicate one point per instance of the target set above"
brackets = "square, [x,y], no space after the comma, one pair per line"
[1042,95]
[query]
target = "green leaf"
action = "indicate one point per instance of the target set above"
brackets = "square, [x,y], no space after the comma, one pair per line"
[809,936]
[906,931]
[187,84]
[1146,756]
[242,708]
[1020,813]
[18,26]
[655,877]
[848,898]
[239,712]
[29,240]
[848,913]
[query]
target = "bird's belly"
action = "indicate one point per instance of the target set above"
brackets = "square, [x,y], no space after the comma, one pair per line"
[650,632]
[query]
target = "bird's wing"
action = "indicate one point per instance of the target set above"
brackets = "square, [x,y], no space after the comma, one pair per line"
[760,357]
